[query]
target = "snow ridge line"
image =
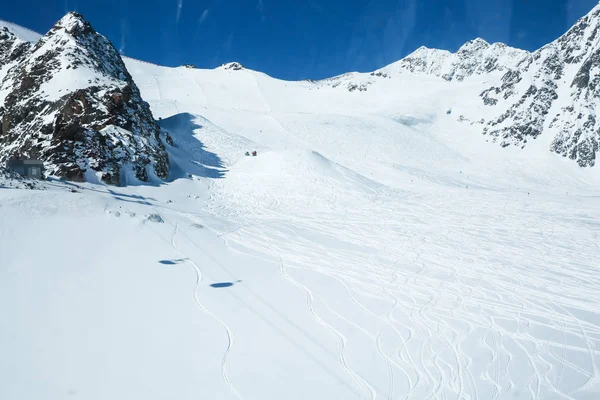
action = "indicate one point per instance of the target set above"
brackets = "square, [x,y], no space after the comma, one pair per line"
[230,337]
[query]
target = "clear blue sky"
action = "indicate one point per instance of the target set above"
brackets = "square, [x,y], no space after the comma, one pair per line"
[304,38]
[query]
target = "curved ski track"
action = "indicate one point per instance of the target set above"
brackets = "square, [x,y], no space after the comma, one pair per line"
[230,337]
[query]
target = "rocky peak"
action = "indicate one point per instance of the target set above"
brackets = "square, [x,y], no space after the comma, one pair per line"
[473,46]
[235,66]
[74,24]
[474,58]
[72,103]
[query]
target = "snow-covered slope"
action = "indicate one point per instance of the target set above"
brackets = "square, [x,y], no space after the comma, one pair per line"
[377,247]
[288,275]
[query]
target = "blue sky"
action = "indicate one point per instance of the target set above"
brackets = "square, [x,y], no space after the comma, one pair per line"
[305,38]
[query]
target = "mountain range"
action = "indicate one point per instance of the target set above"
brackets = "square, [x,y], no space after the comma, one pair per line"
[71,100]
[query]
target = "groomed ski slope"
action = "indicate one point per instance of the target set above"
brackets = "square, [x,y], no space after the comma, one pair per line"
[374,249]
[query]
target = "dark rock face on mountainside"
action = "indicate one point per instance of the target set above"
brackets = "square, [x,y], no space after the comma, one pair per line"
[559,97]
[70,101]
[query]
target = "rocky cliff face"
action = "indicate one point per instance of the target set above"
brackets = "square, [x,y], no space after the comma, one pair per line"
[558,97]
[70,101]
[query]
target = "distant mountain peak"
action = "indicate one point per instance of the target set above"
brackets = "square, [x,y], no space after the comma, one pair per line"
[476,44]
[475,58]
[235,66]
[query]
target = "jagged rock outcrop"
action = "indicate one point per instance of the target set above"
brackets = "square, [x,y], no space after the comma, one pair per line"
[70,101]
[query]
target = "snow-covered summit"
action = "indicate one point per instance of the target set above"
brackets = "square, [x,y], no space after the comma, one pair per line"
[476,58]
[474,45]
[235,66]
[73,23]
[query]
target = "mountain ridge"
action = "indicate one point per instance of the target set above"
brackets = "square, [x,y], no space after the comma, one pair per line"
[521,94]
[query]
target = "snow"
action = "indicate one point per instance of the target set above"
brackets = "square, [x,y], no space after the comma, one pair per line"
[74,79]
[375,248]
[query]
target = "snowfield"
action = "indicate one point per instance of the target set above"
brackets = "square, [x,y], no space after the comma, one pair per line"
[375,248]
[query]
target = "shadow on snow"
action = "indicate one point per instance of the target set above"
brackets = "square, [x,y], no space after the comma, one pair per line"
[188,155]
[173,262]
[223,284]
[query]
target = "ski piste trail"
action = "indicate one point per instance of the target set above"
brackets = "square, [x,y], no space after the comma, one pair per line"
[375,248]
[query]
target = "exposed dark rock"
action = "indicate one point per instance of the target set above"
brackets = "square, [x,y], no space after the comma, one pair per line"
[574,126]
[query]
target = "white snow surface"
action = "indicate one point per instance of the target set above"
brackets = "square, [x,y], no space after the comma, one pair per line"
[375,248]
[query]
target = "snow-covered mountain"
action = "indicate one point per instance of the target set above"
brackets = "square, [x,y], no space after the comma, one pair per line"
[550,91]
[510,95]
[553,92]
[475,58]
[68,99]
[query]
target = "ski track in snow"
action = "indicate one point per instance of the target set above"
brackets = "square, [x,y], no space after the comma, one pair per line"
[360,383]
[230,337]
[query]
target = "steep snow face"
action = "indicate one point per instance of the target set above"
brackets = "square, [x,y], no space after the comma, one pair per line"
[72,103]
[554,91]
